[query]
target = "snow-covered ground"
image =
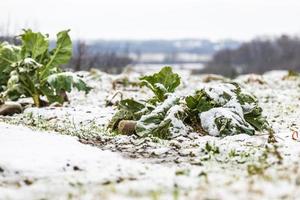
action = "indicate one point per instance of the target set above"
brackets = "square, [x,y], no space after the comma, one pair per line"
[39,158]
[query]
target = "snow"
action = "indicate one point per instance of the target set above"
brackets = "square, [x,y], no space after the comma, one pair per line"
[38,164]
[216,91]
[208,120]
[52,158]
[29,61]
[10,47]
[177,125]
[144,125]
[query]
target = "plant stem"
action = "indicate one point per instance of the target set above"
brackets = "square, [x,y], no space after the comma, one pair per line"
[36,100]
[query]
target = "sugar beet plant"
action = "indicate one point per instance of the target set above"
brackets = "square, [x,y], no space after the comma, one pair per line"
[34,70]
[219,109]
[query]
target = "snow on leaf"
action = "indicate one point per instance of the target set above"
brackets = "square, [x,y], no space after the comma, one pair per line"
[162,82]
[65,81]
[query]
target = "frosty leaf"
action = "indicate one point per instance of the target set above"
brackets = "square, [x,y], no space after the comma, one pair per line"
[162,82]
[163,121]
[216,109]
[65,81]
[22,79]
[224,121]
[14,89]
[27,66]
[37,69]
[200,102]
[252,111]
[8,55]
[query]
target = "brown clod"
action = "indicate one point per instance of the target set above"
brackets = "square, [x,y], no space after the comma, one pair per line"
[126,127]
[10,108]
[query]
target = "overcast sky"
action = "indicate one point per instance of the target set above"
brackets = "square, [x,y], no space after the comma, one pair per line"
[153,19]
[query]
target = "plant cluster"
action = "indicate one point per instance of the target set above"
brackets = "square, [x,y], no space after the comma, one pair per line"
[34,70]
[216,109]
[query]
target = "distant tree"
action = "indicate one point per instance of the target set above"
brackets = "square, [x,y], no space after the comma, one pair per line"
[85,58]
[257,56]
[81,53]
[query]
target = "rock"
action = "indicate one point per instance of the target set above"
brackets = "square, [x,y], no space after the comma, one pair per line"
[10,108]
[126,127]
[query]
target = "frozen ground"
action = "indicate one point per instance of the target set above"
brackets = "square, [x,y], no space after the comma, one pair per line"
[38,160]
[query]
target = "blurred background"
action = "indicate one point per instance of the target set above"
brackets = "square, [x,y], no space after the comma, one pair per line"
[228,37]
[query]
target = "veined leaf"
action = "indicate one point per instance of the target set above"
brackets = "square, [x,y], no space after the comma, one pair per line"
[36,71]
[128,109]
[34,44]
[200,102]
[61,54]
[65,81]
[224,121]
[22,78]
[8,55]
[162,82]
[161,120]
[239,110]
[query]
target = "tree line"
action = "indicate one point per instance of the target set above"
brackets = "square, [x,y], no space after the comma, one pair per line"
[257,56]
[85,58]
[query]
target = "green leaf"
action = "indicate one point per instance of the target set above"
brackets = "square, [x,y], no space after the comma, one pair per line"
[34,71]
[200,102]
[8,55]
[159,122]
[217,109]
[252,111]
[131,105]
[128,109]
[162,82]
[23,80]
[224,121]
[242,109]
[61,54]
[65,81]
[34,44]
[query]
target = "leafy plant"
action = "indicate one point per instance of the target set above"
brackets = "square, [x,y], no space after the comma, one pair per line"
[156,115]
[219,110]
[224,109]
[33,70]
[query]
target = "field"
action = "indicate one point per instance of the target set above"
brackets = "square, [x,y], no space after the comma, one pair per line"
[68,153]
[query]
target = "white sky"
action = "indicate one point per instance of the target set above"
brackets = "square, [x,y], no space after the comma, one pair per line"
[153,19]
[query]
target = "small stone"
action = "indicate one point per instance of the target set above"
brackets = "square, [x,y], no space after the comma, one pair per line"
[76,168]
[10,108]
[28,182]
[126,127]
